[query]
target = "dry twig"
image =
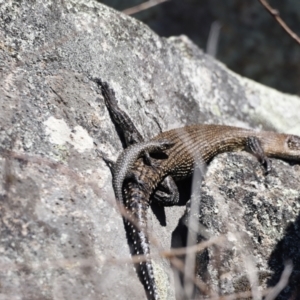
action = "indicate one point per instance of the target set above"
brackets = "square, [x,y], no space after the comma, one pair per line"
[275,14]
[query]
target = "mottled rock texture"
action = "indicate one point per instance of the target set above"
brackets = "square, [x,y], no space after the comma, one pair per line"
[61,234]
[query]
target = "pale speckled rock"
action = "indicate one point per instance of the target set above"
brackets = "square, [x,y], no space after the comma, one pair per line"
[59,222]
[258,214]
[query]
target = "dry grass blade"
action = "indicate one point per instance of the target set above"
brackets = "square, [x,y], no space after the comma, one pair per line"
[180,266]
[274,292]
[142,6]
[213,39]
[270,293]
[193,227]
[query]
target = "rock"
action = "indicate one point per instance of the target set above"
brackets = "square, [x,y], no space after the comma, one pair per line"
[61,234]
[259,217]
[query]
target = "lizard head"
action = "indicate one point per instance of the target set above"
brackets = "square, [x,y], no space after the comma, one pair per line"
[286,146]
[293,142]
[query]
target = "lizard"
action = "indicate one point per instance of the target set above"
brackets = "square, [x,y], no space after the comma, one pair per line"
[193,144]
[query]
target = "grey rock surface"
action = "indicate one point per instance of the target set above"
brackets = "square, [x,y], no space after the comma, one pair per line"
[259,215]
[250,41]
[61,234]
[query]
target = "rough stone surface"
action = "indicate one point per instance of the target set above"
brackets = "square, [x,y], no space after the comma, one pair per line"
[61,234]
[258,214]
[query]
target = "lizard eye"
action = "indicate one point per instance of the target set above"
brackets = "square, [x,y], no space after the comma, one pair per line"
[167,144]
[293,142]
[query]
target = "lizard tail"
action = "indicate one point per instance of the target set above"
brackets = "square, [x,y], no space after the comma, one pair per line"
[136,205]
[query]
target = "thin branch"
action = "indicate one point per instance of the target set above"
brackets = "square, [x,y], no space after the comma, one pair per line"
[202,286]
[275,14]
[142,6]
[167,254]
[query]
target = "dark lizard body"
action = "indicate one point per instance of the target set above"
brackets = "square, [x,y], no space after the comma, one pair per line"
[167,192]
[124,163]
[193,144]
